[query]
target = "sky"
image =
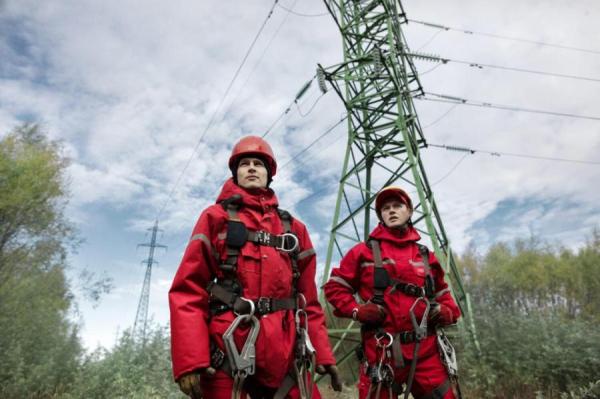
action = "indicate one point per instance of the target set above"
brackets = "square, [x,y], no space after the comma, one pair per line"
[134,91]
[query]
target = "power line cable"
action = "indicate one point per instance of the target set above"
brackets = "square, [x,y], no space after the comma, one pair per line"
[302,14]
[212,118]
[470,151]
[474,103]
[260,58]
[286,111]
[479,65]
[450,171]
[303,90]
[442,116]
[430,70]
[516,39]
[432,38]
[325,133]
[304,115]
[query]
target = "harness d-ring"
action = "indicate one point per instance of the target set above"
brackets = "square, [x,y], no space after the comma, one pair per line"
[284,239]
[252,308]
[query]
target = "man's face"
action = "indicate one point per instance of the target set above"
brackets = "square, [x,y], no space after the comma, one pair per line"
[395,213]
[252,173]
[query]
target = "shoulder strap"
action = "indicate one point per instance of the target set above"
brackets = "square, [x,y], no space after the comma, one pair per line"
[381,278]
[286,221]
[236,234]
[429,283]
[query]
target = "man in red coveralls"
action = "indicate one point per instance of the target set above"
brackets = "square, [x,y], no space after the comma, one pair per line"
[402,286]
[248,278]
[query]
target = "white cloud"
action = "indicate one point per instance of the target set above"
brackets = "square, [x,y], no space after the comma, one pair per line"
[131,89]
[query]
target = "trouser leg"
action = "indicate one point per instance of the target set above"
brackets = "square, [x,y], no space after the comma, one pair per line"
[218,386]
[429,376]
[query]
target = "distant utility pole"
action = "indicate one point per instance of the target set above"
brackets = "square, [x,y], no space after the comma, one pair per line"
[141,317]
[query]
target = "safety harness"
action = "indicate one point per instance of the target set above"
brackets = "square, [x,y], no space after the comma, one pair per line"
[226,294]
[388,346]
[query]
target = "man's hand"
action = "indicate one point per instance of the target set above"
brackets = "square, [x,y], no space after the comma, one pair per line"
[369,313]
[331,369]
[440,315]
[190,383]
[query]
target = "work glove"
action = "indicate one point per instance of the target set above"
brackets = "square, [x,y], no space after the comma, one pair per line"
[190,383]
[440,315]
[331,369]
[369,313]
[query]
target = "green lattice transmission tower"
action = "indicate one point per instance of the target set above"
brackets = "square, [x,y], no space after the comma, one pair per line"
[377,83]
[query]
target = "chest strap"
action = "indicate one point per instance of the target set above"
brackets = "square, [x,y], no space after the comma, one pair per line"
[407,288]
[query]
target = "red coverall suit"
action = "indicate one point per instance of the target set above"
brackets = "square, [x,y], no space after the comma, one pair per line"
[263,271]
[403,262]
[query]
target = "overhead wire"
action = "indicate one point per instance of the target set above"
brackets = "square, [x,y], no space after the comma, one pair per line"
[430,70]
[286,111]
[479,65]
[450,171]
[475,103]
[470,151]
[497,36]
[441,117]
[432,38]
[260,58]
[212,118]
[304,115]
[325,133]
[302,14]
[303,90]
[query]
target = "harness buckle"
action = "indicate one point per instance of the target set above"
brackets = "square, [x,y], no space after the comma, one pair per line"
[263,237]
[263,305]
[284,242]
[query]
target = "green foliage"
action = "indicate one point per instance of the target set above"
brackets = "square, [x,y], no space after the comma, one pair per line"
[535,309]
[39,344]
[130,370]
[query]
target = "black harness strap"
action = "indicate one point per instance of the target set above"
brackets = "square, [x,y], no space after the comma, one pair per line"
[381,278]
[438,392]
[429,284]
[286,220]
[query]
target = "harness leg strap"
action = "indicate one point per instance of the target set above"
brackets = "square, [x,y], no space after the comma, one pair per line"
[438,392]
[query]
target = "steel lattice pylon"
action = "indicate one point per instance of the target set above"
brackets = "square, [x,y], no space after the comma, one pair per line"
[141,316]
[377,82]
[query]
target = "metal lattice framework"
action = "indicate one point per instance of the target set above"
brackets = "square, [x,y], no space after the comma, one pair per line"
[377,82]
[141,316]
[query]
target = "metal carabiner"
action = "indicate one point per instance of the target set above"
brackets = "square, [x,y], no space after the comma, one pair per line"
[301,304]
[420,327]
[448,354]
[242,363]
[379,337]
[284,238]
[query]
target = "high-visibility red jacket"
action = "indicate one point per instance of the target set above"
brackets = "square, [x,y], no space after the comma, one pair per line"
[263,271]
[403,262]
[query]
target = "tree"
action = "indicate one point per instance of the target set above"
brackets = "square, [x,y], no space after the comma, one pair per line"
[39,344]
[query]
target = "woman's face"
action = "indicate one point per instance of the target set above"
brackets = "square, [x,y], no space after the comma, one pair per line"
[395,213]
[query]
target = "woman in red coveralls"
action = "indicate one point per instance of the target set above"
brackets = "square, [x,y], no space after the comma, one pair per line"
[222,278]
[409,276]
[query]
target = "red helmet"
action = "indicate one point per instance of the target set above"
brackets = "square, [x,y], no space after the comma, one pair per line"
[391,192]
[252,145]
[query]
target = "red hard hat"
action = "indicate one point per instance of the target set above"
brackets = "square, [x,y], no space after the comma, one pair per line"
[391,192]
[252,145]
